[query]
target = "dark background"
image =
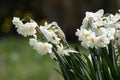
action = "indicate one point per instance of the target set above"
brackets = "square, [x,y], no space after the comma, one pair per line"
[67,13]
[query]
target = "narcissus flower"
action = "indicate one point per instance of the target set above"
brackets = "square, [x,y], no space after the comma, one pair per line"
[17,22]
[93,18]
[48,30]
[62,51]
[27,29]
[102,41]
[42,47]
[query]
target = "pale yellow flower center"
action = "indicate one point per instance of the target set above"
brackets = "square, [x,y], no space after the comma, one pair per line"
[86,35]
[101,41]
[92,40]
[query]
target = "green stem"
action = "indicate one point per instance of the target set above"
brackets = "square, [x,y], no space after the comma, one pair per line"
[96,62]
[113,61]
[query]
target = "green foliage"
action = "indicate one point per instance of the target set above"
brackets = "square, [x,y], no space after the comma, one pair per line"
[103,65]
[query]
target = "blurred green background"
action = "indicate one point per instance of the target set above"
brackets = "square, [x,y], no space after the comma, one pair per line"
[18,61]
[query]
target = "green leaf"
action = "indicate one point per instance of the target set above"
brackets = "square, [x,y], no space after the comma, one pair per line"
[91,68]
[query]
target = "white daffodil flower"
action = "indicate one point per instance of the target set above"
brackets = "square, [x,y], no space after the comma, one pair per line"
[17,22]
[92,40]
[49,33]
[86,34]
[111,33]
[62,51]
[83,34]
[102,41]
[43,48]
[33,41]
[40,47]
[79,34]
[101,31]
[93,17]
[27,29]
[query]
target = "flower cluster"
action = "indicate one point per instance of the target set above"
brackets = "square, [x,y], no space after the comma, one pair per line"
[99,33]
[98,29]
[51,34]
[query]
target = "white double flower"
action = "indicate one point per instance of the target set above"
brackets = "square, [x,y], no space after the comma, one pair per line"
[40,47]
[27,29]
